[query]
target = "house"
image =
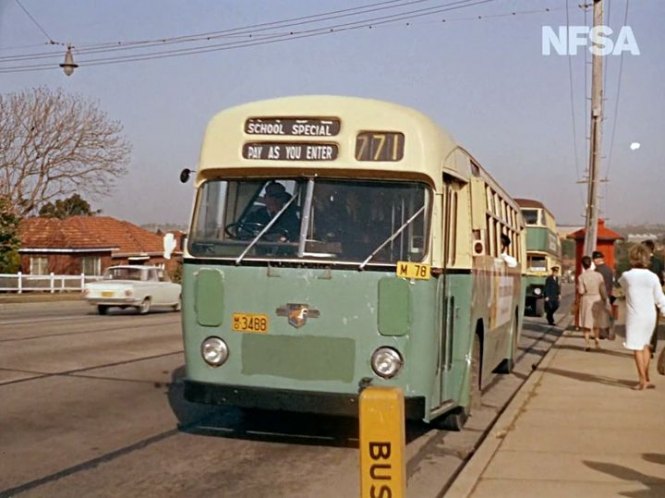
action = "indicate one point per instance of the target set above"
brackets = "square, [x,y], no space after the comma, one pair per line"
[88,245]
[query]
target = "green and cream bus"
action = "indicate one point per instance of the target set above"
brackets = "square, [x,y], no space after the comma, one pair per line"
[341,242]
[543,251]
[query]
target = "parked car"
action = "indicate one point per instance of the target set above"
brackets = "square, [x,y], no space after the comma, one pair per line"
[141,287]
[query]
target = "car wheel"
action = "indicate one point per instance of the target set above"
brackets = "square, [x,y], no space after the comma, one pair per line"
[178,305]
[102,309]
[145,306]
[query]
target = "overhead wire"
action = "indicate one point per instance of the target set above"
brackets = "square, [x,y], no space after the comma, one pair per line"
[616,106]
[275,37]
[572,107]
[373,22]
[239,31]
[606,64]
[587,98]
[250,31]
[35,22]
[324,30]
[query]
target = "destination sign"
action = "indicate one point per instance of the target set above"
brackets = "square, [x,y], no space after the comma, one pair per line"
[286,151]
[379,146]
[293,127]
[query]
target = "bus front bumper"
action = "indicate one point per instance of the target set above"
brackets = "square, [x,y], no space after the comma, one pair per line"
[342,404]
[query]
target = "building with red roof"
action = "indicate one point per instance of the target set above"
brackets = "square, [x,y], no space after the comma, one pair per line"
[86,244]
[606,238]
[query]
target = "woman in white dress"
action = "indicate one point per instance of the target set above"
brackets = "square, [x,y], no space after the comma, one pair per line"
[643,292]
[593,300]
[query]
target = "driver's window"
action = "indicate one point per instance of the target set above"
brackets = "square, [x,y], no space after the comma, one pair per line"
[251,206]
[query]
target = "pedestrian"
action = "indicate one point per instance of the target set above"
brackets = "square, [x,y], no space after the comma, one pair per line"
[608,277]
[510,261]
[591,288]
[656,266]
[552,294]
[643,292]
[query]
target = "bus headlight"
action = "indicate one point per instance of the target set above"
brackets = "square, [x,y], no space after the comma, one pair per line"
[214,351]
[537,291]
[386,362]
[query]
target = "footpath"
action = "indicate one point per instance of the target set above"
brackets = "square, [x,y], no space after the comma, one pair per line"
[575,429]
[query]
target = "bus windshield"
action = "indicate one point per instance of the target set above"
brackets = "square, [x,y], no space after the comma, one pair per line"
[352,221]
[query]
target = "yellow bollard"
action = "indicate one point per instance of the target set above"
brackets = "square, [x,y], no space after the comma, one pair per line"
[382,465]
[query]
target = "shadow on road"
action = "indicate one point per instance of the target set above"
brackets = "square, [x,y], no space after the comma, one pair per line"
[600,379]
[607,352]
[655,485]
[270,426]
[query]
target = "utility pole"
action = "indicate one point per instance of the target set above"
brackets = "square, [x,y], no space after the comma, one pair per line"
[595,149]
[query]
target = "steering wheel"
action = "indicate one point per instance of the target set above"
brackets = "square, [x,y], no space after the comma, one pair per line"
[277,234]
[243,229]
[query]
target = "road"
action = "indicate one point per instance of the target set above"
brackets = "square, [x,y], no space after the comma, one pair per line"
[92,406]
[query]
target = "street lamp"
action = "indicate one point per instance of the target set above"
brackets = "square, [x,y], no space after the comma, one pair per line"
[68,66]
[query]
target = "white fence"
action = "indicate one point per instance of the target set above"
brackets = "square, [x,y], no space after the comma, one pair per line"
[20,283]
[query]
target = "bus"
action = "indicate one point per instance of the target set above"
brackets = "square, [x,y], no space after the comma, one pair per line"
[391,274]
[543,251]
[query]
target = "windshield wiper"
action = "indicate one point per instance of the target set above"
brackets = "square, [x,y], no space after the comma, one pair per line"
[265,229]
[391,238]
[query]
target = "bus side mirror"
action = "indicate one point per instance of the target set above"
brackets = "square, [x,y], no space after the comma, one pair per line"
[184,175]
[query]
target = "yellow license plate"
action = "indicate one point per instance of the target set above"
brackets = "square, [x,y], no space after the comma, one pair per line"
[107,293]
[250,322]
[406,269]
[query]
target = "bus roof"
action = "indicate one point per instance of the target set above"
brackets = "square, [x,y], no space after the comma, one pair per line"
[428,150]
[534,204]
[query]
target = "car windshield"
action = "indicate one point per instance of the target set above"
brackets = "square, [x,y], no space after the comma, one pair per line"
[353,221]
[123,274]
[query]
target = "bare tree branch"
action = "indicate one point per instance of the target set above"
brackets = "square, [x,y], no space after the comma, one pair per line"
[54,145]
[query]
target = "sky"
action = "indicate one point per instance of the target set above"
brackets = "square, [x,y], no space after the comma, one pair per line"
[477,69]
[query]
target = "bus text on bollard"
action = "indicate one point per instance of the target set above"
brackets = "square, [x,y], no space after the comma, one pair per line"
[382,466]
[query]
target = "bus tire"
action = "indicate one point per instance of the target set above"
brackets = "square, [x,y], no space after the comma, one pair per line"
[508,364]
[455,419]
[102,309]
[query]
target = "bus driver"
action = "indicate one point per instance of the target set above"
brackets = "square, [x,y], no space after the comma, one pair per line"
[288,225]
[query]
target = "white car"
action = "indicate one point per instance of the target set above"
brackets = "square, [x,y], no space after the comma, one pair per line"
[141,287]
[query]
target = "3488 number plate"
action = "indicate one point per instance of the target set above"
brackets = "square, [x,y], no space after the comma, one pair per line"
[250,322]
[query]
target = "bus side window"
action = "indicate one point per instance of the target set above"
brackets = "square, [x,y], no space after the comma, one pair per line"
[451,232]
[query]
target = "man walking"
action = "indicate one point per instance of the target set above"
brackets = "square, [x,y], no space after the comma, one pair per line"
[608,277]
[552,294]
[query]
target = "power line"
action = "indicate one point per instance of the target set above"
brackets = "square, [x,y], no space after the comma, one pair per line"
[572,108]
[35,22]
[249,31]
[267,38]
[239,31]
[325,30]
[616,100]
[616,115]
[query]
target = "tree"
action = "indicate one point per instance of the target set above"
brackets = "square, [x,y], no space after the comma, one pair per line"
[53,145]
[568,249]
[9,241]
[63,208]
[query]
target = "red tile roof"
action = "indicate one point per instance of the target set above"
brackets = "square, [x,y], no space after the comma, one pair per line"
[88,232]
[604,233]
